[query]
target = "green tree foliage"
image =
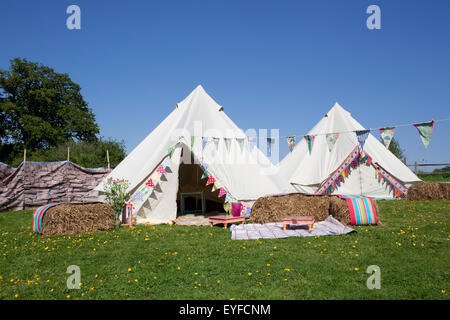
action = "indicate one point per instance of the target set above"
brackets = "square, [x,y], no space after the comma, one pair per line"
[86,154]
[395,148]
[40,109]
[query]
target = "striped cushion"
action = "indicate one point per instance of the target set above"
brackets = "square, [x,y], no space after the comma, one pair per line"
[38,215]
[362,210]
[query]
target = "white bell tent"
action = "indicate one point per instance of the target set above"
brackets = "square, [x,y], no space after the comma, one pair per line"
[374,172]
[196,150]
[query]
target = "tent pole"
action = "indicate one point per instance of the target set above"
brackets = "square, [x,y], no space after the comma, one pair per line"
[24,155]
[68,153]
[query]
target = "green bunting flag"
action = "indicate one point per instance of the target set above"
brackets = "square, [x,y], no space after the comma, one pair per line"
[227,143]
[192,142]
[310,141]
[240,141]
[425,131]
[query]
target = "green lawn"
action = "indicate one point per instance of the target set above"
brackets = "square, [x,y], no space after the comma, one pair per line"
[444,177]
[411,246]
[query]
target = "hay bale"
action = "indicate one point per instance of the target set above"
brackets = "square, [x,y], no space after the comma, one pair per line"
[78,218]
[275,208]
[429,191]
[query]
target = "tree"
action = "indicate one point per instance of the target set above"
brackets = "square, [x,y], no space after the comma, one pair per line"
[394,147]
[86,154]
[40,109]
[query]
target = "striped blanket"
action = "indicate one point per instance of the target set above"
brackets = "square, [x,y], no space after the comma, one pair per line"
[362,210]
[274,230]
[38,215]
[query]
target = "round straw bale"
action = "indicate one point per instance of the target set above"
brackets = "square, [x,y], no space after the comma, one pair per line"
[429,191]
[275,208]
[77,218]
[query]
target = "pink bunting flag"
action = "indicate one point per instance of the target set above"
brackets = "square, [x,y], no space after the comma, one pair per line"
[161,169]
[222,192]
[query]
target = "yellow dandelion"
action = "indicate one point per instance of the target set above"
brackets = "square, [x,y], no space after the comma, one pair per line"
[250,273]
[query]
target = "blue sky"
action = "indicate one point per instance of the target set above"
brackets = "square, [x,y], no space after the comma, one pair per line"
[271,64]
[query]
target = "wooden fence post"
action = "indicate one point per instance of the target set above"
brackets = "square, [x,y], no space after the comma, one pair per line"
[415,167]
[107,159]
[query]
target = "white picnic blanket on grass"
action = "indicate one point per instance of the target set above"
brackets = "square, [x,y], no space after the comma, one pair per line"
[274,230]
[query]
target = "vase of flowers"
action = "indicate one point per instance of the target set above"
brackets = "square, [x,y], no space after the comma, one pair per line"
[115,196]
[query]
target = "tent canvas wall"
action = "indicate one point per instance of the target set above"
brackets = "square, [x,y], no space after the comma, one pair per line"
[307,172]
[197,129]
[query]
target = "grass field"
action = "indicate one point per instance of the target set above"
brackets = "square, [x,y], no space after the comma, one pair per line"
[444,177]
[411,246]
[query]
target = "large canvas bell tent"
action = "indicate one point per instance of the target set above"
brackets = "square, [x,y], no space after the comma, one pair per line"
[196,150]
[344,167]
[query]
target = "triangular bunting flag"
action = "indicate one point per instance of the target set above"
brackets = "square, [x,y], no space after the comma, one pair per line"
[240,141]
[205,174]
[222,192]
[192,142]
[362,136]
[166,163]
[331,140]
[138,196]
[227,143]
[228,198]
[251,143]
[204,142]
[161,169]
[216,142]
[210,180]
[170,150]
[150,184]
[310,141]
[291,142]
[386,135]
[425,131]
[270,142]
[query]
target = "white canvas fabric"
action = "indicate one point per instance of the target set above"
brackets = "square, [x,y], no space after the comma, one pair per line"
[245,175]
[307,171]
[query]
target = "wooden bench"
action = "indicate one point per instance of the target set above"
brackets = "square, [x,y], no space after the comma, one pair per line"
[299,221]
[225,220]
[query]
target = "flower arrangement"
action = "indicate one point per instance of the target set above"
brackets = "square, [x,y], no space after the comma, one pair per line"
[115,195]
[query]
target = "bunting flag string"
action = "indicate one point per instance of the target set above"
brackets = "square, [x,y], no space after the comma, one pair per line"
[331,140]
[386,135]
[398,189]
[310,141]
[339,174]
[425,131]
[291,142]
